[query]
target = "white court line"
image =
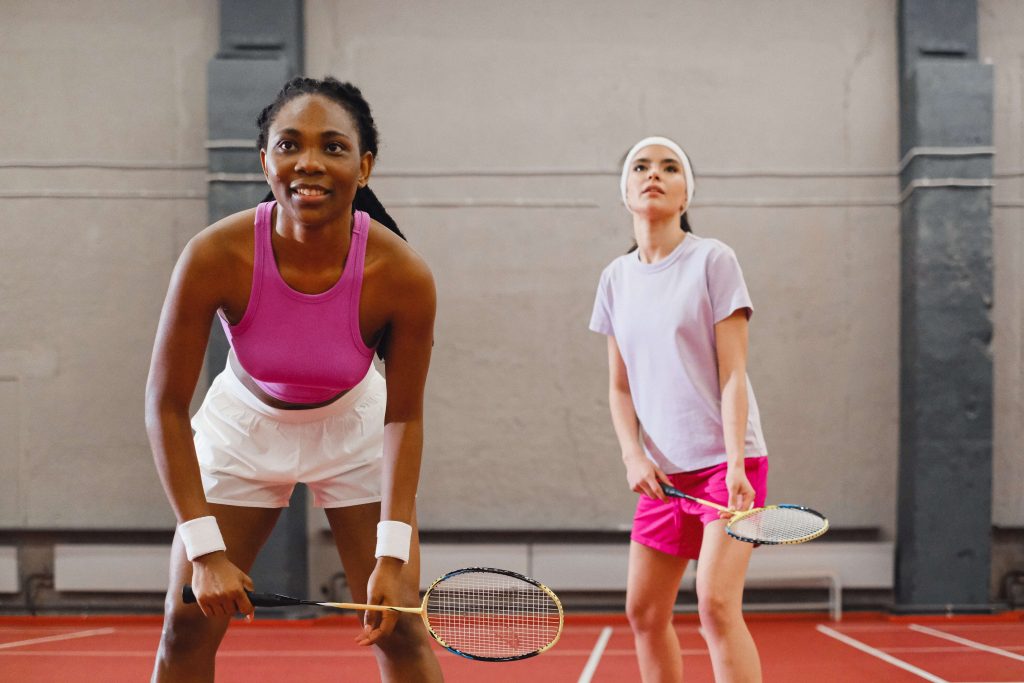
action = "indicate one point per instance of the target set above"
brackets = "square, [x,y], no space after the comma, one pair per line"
[899,663]
[51,639]
[964,641]
[595,655]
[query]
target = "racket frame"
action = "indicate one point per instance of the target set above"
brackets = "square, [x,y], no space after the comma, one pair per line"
[505,572]
[736,516]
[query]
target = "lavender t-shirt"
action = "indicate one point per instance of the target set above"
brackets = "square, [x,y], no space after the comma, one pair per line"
[663,317]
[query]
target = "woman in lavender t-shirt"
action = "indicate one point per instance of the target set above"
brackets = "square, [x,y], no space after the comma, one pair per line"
[676,311]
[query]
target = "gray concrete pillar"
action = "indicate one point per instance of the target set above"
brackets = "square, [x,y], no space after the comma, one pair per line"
[944,525]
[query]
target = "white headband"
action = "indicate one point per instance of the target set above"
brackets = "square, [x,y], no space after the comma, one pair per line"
[664,142]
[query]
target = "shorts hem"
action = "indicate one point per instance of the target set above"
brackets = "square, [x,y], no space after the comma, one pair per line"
[668,549]
[245,503]
[348,503]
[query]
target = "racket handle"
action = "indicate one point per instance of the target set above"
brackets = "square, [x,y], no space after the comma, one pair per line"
[257,599]
[676,493]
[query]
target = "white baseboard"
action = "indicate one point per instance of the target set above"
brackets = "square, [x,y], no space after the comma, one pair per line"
[603,566]
[8,569]
[111,568]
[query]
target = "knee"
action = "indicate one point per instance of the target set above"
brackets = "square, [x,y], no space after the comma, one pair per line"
[717,612]
[187,633]
[647,617]
[408,640]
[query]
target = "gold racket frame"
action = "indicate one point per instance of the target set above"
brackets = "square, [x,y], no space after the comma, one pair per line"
[422,610]
[739,516]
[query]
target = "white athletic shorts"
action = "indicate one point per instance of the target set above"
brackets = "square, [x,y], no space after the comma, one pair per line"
[252,455]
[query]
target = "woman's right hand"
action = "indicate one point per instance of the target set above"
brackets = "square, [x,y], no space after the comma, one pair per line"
[644,476]
[220,586]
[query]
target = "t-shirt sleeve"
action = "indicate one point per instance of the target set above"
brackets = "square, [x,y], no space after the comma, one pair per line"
[601,318]
[726,286]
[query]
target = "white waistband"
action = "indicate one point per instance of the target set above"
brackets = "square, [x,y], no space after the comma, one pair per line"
[234,386]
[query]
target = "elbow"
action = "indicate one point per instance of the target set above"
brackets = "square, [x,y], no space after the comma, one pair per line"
[161,410]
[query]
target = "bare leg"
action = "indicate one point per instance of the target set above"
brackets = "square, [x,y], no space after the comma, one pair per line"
[651,591]
[405,656]
[721,571]
[189,641]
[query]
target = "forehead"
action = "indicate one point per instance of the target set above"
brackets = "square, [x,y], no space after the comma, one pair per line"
[657,154]
[314,113]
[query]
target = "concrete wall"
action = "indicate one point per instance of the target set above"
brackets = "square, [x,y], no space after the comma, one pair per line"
[1000,27]
[788,111]
[501,131]
[101,173]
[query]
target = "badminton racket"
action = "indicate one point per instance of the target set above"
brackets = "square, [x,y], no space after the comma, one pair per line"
[491,615]
[770,525]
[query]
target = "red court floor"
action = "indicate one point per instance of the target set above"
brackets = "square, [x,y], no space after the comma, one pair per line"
[593,649]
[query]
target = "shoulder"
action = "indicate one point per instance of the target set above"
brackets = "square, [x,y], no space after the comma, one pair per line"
[220,247]
[711,249]
[395,262]
[614,270]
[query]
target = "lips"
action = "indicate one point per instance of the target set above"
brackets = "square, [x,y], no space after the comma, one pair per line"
[653,190]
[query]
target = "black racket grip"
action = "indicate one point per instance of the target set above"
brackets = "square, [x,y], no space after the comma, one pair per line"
[257,599]
[672,491]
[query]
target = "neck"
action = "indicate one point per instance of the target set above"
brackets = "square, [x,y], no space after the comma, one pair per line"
[656,238]
[324,235]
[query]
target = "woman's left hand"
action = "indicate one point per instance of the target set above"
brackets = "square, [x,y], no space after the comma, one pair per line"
[383,588]
[741,493]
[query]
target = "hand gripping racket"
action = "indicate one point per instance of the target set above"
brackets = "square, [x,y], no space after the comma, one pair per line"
[491,615]
[770,525]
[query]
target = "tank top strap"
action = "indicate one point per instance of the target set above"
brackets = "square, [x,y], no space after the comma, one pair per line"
[354,273]
[357,249]
[261,238]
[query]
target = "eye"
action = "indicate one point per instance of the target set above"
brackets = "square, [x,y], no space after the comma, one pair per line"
[286,146]
[671,169]
[335,148]
[639,168]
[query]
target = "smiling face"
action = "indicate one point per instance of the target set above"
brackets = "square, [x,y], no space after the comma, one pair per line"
[312,159]
[656,183]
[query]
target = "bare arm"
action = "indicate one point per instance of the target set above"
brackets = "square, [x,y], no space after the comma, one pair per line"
[178,352]
[174,370]
[406,361]
[643,476]
[410,339]
[731,348]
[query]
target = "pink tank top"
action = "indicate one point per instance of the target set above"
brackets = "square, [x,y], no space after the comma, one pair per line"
[302,348]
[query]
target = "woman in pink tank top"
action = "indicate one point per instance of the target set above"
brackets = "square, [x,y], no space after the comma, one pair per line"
[307,290]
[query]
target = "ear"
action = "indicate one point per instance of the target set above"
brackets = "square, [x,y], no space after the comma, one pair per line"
[263,163]
[365,168]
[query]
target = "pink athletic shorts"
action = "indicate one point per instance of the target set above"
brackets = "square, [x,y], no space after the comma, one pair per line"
[676,526]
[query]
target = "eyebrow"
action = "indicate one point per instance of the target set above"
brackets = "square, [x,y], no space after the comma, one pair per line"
[666,160]
[324,135]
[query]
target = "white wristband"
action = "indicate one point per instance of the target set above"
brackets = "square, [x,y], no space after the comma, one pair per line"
[393,540]
[201,536]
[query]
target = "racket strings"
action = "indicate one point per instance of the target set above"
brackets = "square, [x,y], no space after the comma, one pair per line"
[493,616]
[779,525]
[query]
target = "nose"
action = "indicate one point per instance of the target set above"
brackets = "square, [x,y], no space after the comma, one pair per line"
[309,162]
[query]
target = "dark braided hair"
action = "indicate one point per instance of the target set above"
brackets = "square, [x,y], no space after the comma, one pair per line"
[351,100]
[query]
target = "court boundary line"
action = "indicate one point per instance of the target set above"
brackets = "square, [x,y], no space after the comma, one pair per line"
[63,636]
[874,652]
[595,655]
[965,641]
